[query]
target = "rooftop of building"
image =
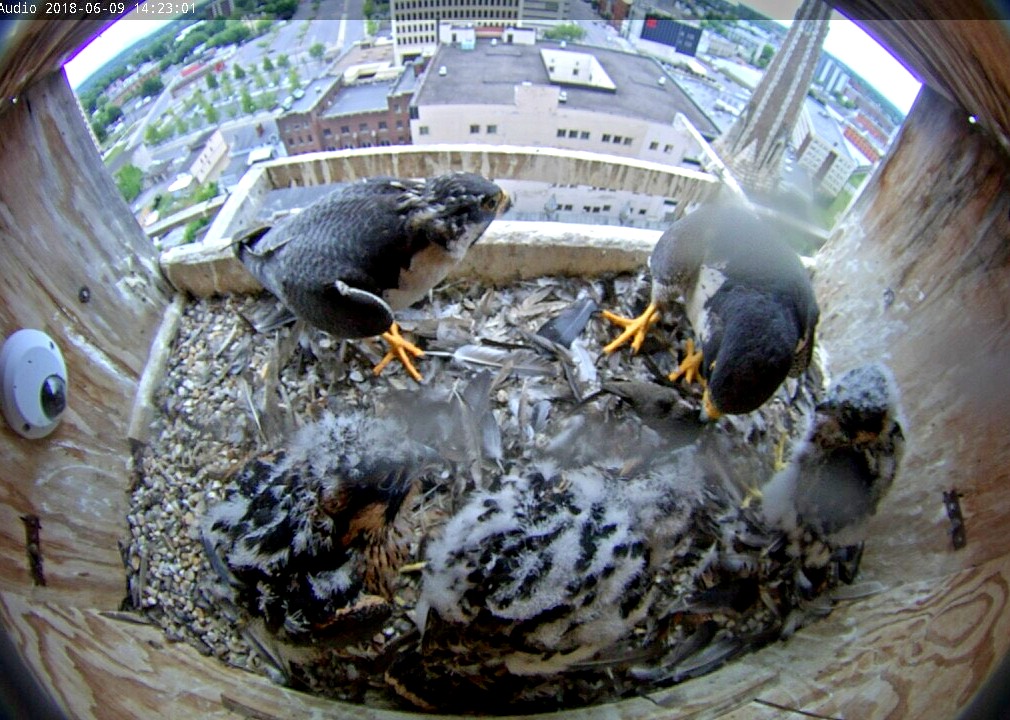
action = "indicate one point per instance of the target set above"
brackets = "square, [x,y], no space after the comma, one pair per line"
[354,99]
[827,127]
[362,53]
[408,82]
[305,100]
[488,74]
[369,96]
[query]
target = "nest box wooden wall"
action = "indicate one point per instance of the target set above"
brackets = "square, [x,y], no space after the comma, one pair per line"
[917,274]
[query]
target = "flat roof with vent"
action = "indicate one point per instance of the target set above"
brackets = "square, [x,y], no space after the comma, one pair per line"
[489,74]
[567,67]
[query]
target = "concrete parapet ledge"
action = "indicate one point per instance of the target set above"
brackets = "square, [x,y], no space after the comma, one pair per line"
[508,251]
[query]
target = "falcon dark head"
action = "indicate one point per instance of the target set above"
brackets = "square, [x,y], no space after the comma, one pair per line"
[747,297]
[352,258]
[308,534]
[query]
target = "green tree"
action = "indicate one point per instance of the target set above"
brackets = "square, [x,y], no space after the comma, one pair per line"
[283,61]
[267,100]
[193,229]
[293,79]
[317,50]
[238,72]
[261,82]
[100,132]
[130,181]
[565,31]
[108,114]
[210,112]
[153,135]
[152,86]
[268,64]
[207,191]
[247,102]
[212,83]
[767,52]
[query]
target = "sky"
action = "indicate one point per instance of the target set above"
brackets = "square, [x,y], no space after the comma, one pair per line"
[850,44]
[107,45]
[845,40]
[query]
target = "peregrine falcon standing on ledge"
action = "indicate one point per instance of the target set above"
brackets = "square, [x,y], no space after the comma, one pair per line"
[351,259]
[748,299]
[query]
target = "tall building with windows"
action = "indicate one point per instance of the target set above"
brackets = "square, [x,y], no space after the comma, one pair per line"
[822,149]
[416,24]
[363,102]
[754,145]
[599,100]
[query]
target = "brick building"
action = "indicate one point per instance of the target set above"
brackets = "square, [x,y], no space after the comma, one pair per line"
[337,113]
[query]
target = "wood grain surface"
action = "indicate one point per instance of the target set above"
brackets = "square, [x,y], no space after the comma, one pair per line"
[33,49]
[64,227]
[918,275]
[917,650]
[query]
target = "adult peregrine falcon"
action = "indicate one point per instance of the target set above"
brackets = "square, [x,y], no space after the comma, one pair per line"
[748,299]
[351,259]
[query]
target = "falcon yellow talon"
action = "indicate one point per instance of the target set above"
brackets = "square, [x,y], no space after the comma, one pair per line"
[413,567]
[398,349]
[780,453]
[635,329]
[690,367]
[752,494]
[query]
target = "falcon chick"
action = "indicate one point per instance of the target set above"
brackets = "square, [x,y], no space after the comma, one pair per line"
[538,573]
[755,573]
[310,538]
[351,259]
[747,297]
[566,583]
[848,460]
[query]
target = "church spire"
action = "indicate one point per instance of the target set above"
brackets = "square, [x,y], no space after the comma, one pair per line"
[753,146]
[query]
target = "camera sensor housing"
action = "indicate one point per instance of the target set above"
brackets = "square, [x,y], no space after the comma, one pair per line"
[34,377]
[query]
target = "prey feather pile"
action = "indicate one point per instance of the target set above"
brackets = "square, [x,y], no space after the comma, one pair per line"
[573,535]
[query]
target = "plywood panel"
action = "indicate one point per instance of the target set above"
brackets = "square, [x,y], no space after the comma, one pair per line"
[33,49]
[918,650]
[77,266]
[918,274]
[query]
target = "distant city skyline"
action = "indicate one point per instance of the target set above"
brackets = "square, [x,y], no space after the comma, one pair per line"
[868,59]
[845,40]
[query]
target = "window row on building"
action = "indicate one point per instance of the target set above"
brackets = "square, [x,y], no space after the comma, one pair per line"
[443,8]
[488,129]
[495,15]
[611,138]
[654,146]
